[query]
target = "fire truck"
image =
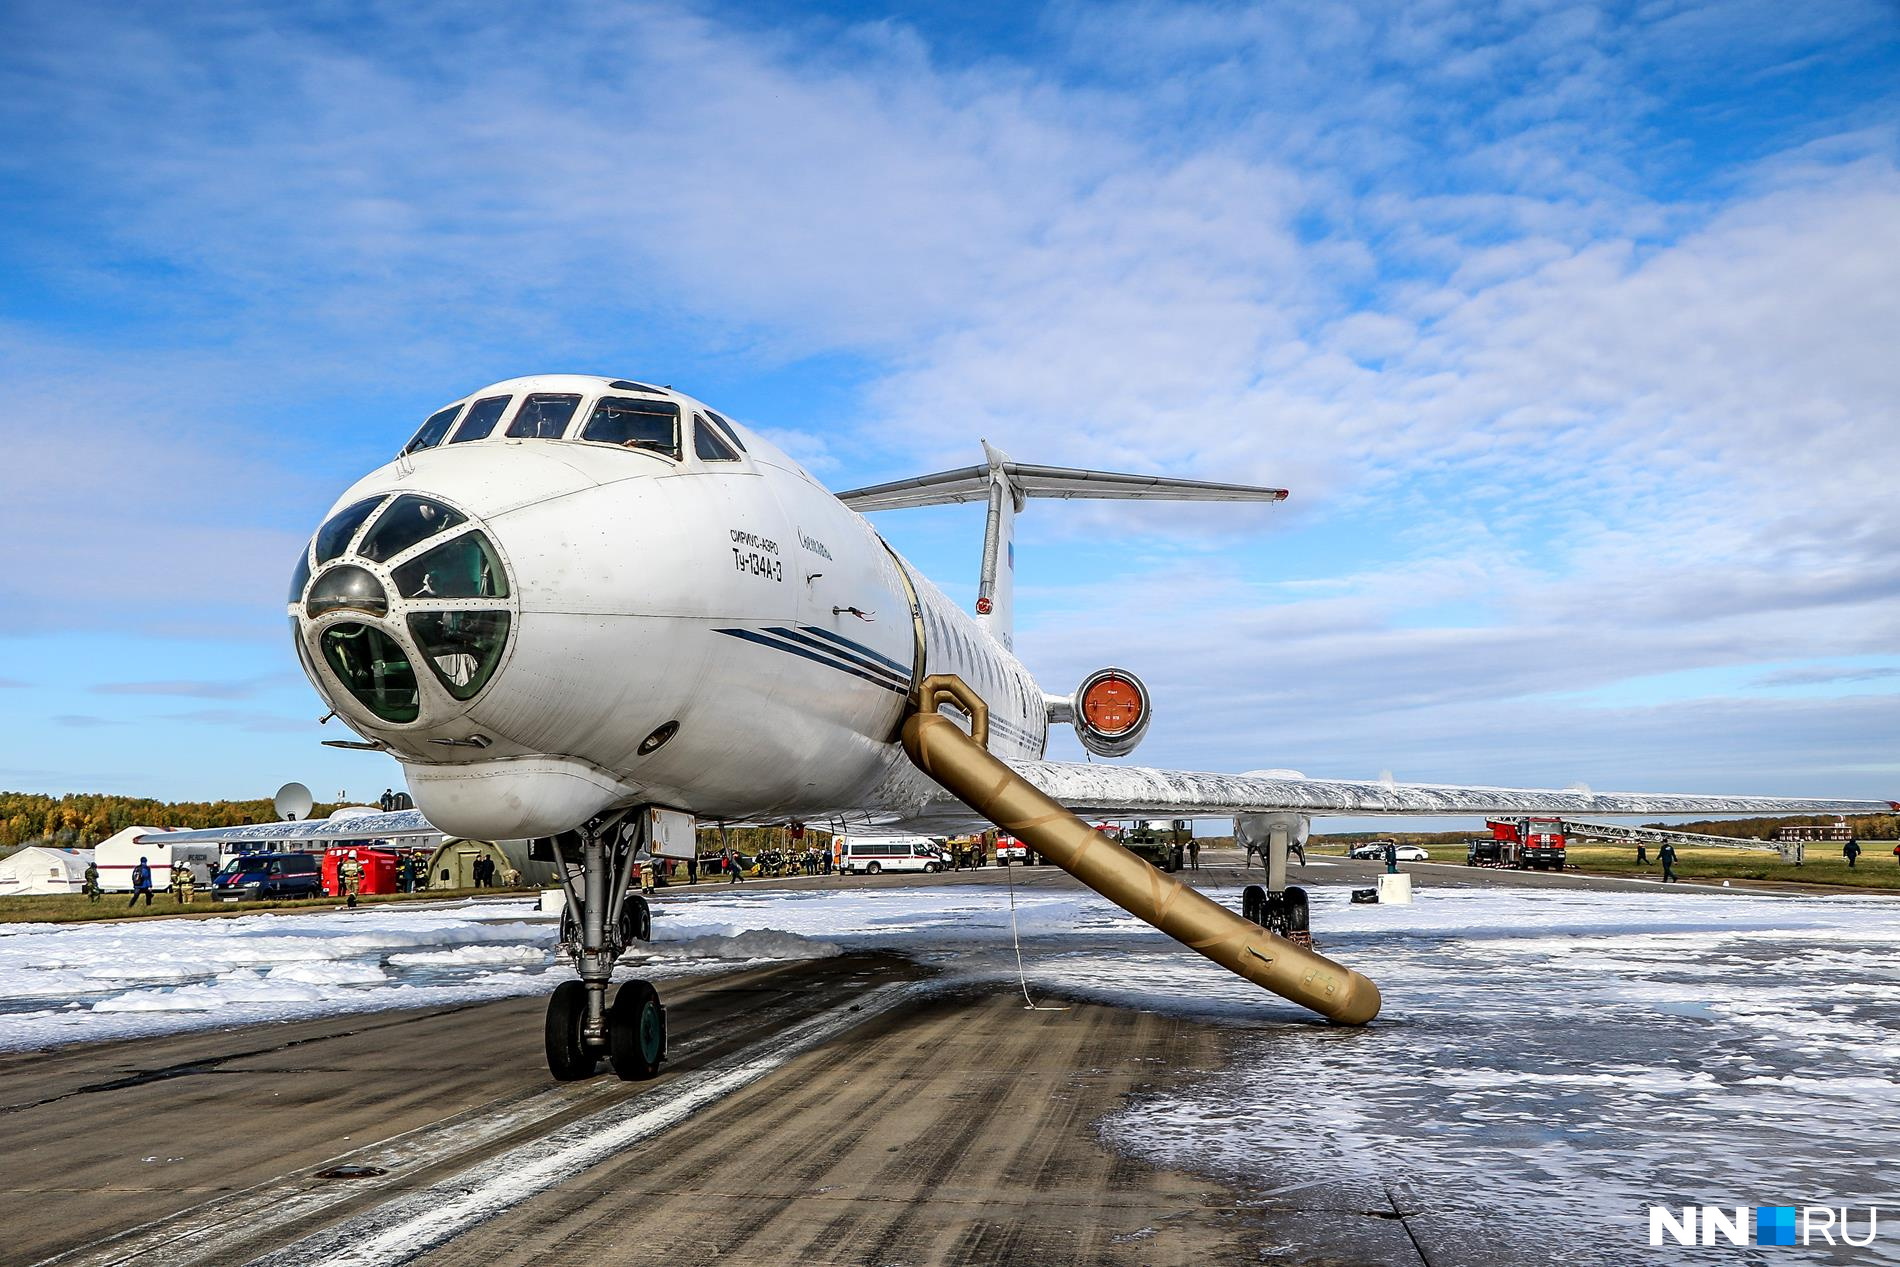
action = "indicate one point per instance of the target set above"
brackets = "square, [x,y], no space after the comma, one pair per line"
[1519,843]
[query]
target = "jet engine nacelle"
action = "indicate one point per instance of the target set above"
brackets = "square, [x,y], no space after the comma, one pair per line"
[1256,830]
[1111,712]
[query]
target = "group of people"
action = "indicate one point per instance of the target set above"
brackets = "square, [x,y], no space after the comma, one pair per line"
[183,884]
[969,854]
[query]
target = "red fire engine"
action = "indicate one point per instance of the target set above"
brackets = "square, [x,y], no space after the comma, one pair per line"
[1520,843]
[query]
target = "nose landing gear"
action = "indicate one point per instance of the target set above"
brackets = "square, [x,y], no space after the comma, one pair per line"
[601,921]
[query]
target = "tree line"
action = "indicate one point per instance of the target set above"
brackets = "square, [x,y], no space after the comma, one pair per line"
[80,820]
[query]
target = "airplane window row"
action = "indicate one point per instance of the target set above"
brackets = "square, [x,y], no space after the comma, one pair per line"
[945,639]
[631,422]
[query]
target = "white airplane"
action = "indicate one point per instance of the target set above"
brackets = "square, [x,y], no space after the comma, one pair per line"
[593,612]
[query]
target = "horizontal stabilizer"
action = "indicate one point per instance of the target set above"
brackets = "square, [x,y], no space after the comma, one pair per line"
[972,484]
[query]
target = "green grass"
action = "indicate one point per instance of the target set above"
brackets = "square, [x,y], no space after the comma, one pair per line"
[75,908]
[1824,864]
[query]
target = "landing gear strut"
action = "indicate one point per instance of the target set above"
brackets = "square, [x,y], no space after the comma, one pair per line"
[603,919]
[1278,907]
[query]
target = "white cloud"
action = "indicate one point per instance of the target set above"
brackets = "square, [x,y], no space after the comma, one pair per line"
[1560,428]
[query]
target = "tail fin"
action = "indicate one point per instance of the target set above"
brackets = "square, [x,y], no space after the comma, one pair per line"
[996,583]
[1005,484]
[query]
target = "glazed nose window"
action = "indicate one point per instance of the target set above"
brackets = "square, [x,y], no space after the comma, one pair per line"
[408,520]
[347,588]
[301,577]
[462,647]
[374,668]
[334,537]
[463,568]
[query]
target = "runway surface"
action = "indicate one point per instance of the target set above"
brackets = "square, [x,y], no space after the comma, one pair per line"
[936,1129]
[1555,1052]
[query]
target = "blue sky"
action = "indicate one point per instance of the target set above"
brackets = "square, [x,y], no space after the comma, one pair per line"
[1570,327]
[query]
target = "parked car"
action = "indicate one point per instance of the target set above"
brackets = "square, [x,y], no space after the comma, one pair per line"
[1375,849]
[269,875]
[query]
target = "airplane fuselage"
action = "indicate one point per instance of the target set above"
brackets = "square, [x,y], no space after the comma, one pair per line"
[707,629]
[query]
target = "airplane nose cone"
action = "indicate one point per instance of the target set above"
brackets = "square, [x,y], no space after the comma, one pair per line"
[402,610]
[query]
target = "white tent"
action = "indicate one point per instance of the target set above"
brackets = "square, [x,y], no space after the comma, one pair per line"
[118,854]
[39,869]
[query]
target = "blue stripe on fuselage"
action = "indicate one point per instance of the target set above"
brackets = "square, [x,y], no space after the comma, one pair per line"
[753,635]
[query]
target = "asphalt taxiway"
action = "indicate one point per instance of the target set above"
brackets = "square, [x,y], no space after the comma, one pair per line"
[935,1129]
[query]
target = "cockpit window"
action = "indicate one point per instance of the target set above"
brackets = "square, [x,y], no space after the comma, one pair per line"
[709,444]
[726,427]
[301,577]
[462,647]
[463,568]
[334,537]
[375,669]
[544,416]
[481,420]
[653,425]
[347,587]
[408,520]
[433,430]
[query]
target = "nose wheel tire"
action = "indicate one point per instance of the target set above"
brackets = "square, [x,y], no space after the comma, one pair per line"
[636,1032]
[568,1057]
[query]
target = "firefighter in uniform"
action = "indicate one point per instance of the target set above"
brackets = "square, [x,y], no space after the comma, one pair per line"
[177,884]
[94,890]
[649,876]
[350,872]
[184,883]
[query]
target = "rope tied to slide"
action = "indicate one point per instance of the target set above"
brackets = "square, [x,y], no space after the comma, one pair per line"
[1015,940]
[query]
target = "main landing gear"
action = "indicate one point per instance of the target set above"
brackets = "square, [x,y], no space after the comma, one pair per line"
[603,919]
[1284,913]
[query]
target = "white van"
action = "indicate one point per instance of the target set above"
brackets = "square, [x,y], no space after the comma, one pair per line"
[875,854]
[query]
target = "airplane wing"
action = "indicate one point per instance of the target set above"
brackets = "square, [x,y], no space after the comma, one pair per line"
[402,824]
[1101,791]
